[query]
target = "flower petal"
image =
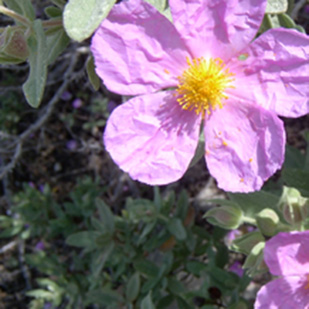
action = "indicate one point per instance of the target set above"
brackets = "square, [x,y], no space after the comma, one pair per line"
[152,138]
[137,50]
[217,28]
[275,73]
[284,293]
[244,146]
[288,253]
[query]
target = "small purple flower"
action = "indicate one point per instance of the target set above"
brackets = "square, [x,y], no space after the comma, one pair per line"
[306,9]
[287,256]
[236,268]
[66,96]
[77,103]
[48,305]
[31,184]
[72,144]
[111,105]
[41,188]
[40,246]
[230,236]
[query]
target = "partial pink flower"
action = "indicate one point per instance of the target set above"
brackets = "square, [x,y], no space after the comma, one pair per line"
[213,76]
[231,236]
[287,256]
[236,268]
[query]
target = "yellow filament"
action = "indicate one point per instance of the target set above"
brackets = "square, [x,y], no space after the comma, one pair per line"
[202,85]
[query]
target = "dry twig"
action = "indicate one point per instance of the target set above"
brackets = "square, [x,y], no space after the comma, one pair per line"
[46,113]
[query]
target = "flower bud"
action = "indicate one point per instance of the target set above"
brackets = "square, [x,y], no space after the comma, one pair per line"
[245,243]
[267,221]
[255,260]
[13,46]
[293,206]
[225,217]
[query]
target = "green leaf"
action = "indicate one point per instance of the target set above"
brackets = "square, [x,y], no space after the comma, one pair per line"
[56,43]
[161,6]
[59,3]
[165,301]
[103,296]
[146,230]
[4,59]
[133,287]
[82,17]
[252,203]
[196,267]
[182,304]
[52,12]
[182,205]
[276,6]
[85,239]
[39,293]
[147,302]
[146,267]
[176,287]
[286,21]
[106,216]
[23,7]
[92,75]
[269,22]
[33,88]
[11,231]
[222,278]
[300,28]
[298,179]
[99,259]
[293,158]
[176,228]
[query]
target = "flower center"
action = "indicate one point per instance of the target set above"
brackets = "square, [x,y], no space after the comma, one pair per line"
[202,85]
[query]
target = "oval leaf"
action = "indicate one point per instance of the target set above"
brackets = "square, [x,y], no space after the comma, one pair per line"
[33,88]
[276,6]
[176,228]
[82,17]
[133,287]
[147,302]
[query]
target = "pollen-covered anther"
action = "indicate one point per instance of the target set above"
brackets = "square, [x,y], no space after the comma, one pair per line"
[202,85]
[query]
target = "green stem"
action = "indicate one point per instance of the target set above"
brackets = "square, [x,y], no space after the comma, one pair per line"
[248,220]
[52,23]
[15,16]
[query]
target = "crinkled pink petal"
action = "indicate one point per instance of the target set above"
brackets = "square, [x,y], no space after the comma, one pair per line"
[152,138]
[290,292]
[137,50]
[244,146]
[275,74]
[217,28]
[288,254]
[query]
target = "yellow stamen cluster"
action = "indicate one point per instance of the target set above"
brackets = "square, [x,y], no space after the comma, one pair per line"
[202,86]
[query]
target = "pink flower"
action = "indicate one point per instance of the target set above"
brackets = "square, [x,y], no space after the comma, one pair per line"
[214,77]
[287,256]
